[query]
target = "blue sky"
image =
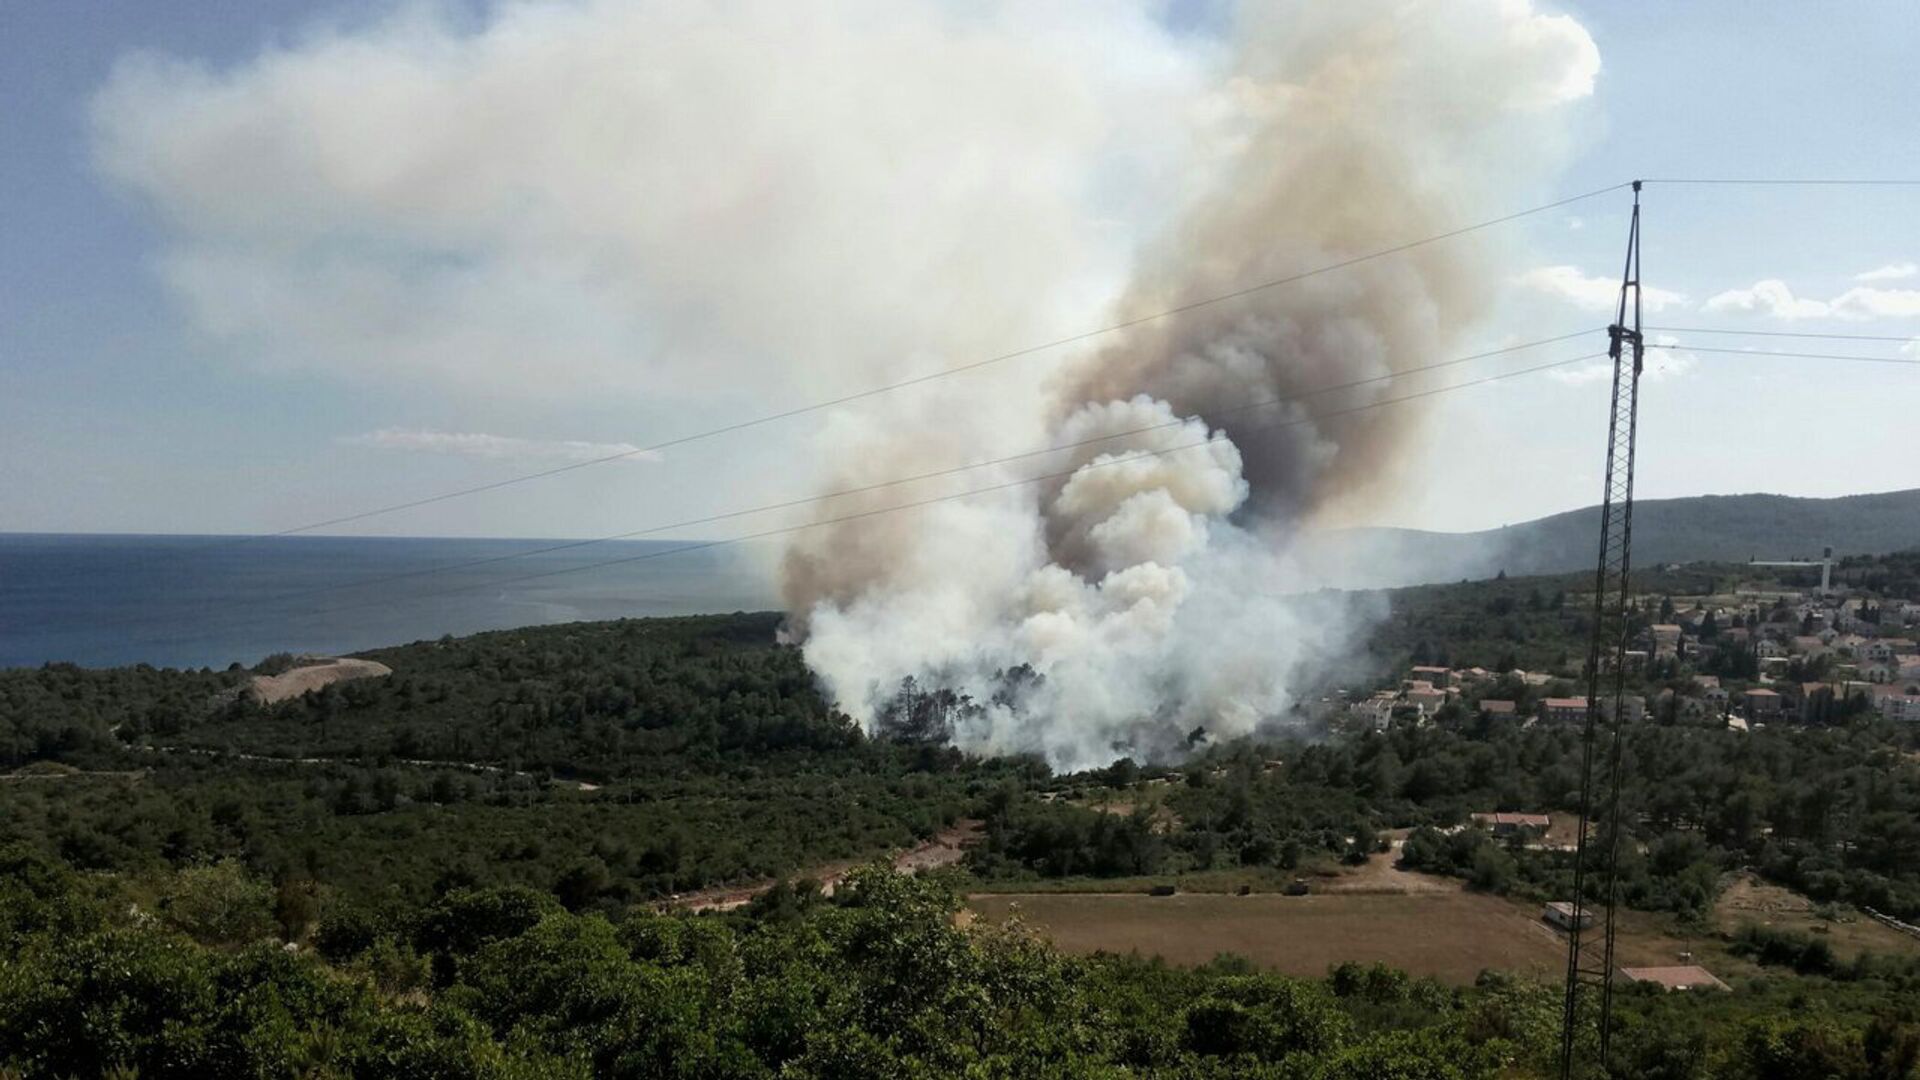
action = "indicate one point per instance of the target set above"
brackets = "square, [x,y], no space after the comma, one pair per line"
[127,405]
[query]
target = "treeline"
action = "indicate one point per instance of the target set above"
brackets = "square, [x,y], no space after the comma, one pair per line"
[1834,812]
[366,830]
[593,700]
[713,758]
[191,979]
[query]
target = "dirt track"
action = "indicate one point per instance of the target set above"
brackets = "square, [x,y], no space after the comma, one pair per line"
[944,849]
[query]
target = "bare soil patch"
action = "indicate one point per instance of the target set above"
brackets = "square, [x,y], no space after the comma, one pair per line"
[1451,935]
[1379,874]
[1748,900]
[296,681]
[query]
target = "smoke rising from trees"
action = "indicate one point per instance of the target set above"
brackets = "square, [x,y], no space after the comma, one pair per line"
[1152,588]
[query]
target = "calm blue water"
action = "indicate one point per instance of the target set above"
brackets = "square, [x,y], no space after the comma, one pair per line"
[189,601]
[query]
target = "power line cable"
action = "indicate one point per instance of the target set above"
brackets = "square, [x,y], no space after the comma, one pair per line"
[844,399]
[1799,355]
[932,500]
[935,474]
[1902,338]
[1788,181]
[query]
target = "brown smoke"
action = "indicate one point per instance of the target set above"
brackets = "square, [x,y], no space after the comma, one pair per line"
[1136,585]
[1314,187]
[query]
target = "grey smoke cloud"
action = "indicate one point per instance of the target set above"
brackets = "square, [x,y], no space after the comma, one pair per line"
[1158,594]
[767,202]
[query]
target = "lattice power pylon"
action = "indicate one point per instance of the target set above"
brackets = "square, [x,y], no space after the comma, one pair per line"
[1590,968]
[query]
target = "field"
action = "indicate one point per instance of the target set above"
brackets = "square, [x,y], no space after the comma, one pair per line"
[1850,932]
[1450,935]
[1421,924]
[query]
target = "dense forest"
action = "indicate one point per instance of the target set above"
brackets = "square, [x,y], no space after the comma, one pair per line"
[469,859]
[634,759]
[101,978]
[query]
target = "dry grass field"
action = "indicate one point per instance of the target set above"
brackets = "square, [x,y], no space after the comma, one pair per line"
[1449,934]
[1749,900]
[1421,924]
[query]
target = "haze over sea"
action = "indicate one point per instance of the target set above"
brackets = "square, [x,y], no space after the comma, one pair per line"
[193,601]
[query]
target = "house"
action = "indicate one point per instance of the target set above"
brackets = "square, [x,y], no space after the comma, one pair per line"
[1561,913]
[1566,710]
[1496,707]
[1503,823]
[1427,699]
[1887,650]
[1376,711]
[1761,704]
[1677,977]
[1432,676]
[1809,645]
[1894,703]
[1769,649]
[1879,671]
[1707,682]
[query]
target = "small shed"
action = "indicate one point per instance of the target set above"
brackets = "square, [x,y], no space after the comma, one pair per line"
[1561,914]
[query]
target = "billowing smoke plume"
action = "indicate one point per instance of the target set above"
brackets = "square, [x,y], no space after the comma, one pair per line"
[1142,596]
[682,213]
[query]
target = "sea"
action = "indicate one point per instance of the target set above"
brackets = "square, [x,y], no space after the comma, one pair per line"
[208,601]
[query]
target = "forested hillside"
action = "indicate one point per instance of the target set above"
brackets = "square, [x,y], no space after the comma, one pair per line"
[470,859]
[1723,528]
[98,978]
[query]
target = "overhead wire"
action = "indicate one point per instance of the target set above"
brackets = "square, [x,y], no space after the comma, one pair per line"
[1798,355]
[1788,181]
[706,545]
[845,399]
[1903,338]
[930,475]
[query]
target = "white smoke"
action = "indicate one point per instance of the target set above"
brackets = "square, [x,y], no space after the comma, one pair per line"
[1149,581]
[657,203]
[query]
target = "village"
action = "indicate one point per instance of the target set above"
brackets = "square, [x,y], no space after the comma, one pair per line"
[1747,659]
[1750,658]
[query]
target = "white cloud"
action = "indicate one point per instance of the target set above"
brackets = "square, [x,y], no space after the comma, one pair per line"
[1570,284]
[607,197]
[1889,272]
[1586,373]
[647,198]
[496,447]
[1861,303]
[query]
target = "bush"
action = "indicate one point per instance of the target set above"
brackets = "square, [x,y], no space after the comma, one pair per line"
[219,904]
